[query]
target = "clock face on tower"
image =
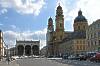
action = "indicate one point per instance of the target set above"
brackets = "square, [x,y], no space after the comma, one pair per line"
[50,29]
[60,21]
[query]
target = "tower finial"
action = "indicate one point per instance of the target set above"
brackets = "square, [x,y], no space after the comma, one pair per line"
[80,12]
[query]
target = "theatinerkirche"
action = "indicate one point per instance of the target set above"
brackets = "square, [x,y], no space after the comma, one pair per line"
[60,42]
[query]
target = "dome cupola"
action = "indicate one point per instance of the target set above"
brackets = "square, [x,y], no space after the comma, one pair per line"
[80,17]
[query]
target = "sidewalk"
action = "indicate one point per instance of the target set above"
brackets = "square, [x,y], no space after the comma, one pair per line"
[5,63]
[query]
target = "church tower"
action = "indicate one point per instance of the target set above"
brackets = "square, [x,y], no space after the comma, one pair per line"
[59,21]
[80,22]
[50,25]
[49,37]
[50,29]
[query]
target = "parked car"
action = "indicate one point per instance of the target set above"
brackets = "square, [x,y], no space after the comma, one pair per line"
[92,59]
[96,58]
[71,57]
[65,57]
[87,56]
[83,57]
[51,56]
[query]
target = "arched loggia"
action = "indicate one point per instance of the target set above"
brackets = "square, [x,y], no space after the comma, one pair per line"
[20,50]
[35,49]
[28,50]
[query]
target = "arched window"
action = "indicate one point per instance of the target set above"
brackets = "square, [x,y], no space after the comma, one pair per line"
[78,27]
[60,24]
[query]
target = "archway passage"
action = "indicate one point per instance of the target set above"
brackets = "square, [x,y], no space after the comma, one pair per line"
[20,50]
[28,50]
[35,49]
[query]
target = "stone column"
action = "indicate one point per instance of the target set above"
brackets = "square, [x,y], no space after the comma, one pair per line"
[24,50]
[31,50]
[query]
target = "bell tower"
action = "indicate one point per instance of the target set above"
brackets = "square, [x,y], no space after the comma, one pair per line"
[50,25]
[50,29]
[49,37]
[59,21]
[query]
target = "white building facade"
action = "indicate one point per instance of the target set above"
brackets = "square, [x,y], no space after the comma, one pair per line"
[1,45]
[27,47]
[93,36]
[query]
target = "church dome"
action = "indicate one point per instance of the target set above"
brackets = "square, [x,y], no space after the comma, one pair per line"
[80,17]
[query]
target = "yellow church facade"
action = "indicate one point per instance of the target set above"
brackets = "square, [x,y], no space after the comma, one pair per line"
[60,42]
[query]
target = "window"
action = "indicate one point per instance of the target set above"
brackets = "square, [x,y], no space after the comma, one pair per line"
[78,48]
[99,42]
[88,43]
[60,37]
[98,34]
[95,42]
[78,27]
[84,27]
[83,47]
[60,24]
[83,42]
[80,42]
[77,42]
[96,26]
[91,35]
[91,43]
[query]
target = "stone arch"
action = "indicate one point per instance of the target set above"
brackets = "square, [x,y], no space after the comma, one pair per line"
[28,50]
[35,49]
[20,50]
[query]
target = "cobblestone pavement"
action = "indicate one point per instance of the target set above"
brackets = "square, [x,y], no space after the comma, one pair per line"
[39,62]
[5,63]
[78,63]
[47,62]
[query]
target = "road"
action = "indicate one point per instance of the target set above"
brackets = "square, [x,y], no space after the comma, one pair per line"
[39,62]
[48,62]
[78,63]
[5,63]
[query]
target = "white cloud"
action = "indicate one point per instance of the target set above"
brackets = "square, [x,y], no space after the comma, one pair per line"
[43,43]
[1,24]
[3,11]
[26,7]
[90,9]
[11,36]
[13,26]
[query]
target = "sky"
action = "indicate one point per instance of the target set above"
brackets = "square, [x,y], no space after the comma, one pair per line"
[27,19]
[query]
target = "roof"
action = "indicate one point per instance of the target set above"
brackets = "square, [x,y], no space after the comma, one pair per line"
[80,17]
[50,19]
[59,7]
[75,35]
[27,41]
